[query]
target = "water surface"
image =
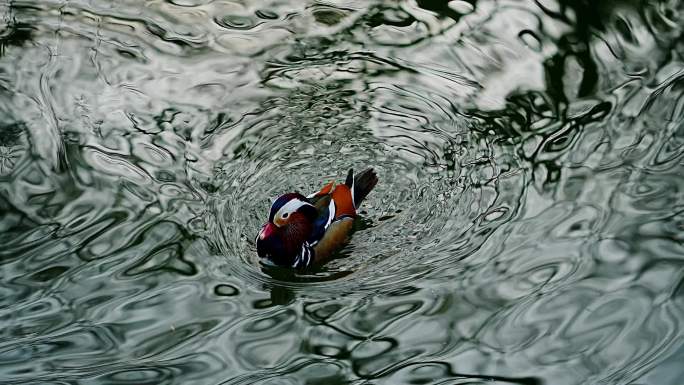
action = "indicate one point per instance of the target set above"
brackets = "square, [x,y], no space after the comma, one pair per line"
[528,227]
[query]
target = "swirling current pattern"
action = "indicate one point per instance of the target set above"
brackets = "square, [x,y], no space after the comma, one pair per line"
[528,227]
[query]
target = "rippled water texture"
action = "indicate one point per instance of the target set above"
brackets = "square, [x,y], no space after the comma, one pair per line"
[528,227]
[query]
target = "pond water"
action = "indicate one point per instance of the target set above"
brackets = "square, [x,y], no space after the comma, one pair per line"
[528,227]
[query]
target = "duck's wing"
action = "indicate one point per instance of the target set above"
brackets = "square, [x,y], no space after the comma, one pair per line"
[316,197]
[325,206]
[336,210]
[336,235]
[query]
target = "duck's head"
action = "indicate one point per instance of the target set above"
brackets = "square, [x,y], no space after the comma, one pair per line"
[289,224]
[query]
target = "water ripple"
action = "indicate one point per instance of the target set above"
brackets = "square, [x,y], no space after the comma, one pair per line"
[527,228]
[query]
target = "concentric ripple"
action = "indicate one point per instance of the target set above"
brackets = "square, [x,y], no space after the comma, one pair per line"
[527,227]
[440,177]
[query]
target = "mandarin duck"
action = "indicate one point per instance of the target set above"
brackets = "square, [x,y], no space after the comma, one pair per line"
[304,230]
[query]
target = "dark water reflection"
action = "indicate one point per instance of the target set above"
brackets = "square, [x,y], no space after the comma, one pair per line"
[528,228]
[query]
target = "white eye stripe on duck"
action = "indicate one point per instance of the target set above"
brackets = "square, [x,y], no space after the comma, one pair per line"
[290,207]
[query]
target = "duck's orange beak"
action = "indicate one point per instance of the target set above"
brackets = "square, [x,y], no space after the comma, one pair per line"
[266,231]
